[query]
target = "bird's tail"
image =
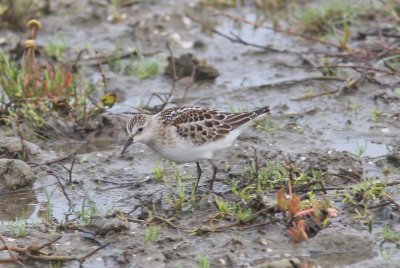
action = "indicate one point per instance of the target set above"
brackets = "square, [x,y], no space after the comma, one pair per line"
[262,111]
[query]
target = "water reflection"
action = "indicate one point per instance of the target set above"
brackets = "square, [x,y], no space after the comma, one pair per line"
[19,205]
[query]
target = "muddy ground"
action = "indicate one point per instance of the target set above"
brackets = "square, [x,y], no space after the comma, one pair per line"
[335,133]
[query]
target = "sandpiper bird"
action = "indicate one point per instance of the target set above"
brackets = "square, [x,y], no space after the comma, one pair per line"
[190,134]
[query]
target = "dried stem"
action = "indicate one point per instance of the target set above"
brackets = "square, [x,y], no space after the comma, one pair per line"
[8,248]
[103,75]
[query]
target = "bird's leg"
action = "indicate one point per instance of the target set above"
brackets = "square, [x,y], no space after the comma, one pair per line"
[198,176]
[215,170]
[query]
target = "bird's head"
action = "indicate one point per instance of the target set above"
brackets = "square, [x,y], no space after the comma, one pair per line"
[138,128]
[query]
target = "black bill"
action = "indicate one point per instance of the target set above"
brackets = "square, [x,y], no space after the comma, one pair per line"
[127,144]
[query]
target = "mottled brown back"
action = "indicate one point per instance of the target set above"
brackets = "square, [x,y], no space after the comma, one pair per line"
[201,125]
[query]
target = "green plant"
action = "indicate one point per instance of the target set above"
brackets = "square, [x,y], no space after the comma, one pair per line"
[152,233]
[327,70]
[56,48]
[364,192]
[141,67]
[177,199]
[271,175]
[18,228]
[389,234]
[353,105]
[244,215]
[203,261]
[265,124]
[237,211]
[375,115]
[87,212]
[247,194]
[48,216]
[159,173]
[360,148]
[56,264]
[145,68]
[35,92]
[328,16]
[224,207]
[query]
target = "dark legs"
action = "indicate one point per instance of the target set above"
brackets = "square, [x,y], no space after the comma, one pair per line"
[215,170]
[198,176]
[199,171]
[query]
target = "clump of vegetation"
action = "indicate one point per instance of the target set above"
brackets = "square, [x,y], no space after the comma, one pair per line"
[13,13]
[87,211]
[48,214]
[266,124]
[360,148]
[236,211]
[270,175]
[304,217]
[365,192]
[178,199]
[203,261]
[159,173]
[18,228]
[152,233]
[56,48]
[328,17]
[145,68]
[141,67]
[34,92]
[388,234]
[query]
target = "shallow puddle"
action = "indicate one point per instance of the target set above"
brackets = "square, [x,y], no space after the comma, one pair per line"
[361,147]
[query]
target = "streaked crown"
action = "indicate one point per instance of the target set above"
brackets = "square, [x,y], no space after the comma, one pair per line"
[135,123]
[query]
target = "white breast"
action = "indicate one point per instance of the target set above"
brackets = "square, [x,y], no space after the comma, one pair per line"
[186,152]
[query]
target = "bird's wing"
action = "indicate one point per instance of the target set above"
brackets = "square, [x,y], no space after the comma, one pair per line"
[202,125]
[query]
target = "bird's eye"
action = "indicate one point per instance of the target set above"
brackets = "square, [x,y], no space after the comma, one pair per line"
[140,129]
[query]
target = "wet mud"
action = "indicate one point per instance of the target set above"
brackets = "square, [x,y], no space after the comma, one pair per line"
[114,199]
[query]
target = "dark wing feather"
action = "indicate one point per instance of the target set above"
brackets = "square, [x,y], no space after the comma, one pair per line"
[201,125]
[198,125]
[236,120]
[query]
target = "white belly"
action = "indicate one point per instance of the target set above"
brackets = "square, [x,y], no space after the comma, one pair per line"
[187,152]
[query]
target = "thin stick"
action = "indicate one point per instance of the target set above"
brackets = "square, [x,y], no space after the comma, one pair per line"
[173,62]
[72,166]
[63,190]
[256,165]
[49,243]
[236,38]
[8,248]
[83,258]
[101,71]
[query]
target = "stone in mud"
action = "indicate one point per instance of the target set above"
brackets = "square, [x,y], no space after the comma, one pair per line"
[15,174]
[394,157]
[341,241]
[186,64]
[103,226]
[10,147]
